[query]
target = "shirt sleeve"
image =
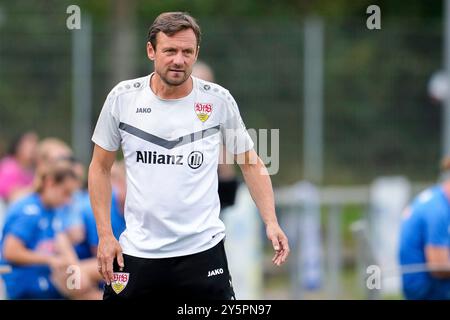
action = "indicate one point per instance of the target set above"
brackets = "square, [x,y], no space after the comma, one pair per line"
[70,216]
[23,227]
[106,133]
[235,136]
[436,229]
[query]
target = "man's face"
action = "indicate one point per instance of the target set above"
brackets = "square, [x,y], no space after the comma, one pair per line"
[59,194]
[174,56]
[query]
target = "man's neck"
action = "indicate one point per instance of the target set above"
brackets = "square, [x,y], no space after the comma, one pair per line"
[167,91]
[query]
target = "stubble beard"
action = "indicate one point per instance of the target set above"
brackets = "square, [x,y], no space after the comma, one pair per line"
[174,83]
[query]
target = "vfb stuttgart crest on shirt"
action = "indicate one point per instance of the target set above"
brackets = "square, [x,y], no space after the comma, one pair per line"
[203,110]
[120,281]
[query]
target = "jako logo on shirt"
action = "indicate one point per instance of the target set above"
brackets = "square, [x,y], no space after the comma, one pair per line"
[215,272]
[143,110]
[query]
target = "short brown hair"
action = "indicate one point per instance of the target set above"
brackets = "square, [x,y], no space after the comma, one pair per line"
[170,23]
[46,148]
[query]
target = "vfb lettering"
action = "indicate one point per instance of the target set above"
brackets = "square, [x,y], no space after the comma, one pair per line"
[203,107]
[120,277]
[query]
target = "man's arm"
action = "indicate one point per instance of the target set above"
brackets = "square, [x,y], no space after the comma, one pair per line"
[99,182]
[258,182]
[438,259]
[65,249]
[15,252]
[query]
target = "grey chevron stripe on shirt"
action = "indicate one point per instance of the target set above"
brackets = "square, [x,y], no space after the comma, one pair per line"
[169,144]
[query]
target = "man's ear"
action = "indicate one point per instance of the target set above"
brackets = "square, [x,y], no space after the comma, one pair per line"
[150,51]
[198,50]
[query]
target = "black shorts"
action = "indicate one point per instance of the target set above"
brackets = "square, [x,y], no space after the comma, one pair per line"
[200,276]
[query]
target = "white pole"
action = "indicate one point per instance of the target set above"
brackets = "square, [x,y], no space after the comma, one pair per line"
[313,101]
[82,89]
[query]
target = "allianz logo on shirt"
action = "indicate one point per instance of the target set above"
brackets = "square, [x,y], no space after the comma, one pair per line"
[194,159]
[215,272]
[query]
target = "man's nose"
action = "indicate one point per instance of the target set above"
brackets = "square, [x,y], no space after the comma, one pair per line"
[178,59]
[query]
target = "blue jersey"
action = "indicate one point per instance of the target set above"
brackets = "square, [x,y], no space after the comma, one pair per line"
[425,223]
[69,214]
[36,226]
[84,249]
[78,205]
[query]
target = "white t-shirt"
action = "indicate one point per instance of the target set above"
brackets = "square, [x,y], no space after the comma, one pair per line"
[171,150]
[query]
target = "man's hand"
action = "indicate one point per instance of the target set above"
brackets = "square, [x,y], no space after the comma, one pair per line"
[108,249]
[279,242]
[59,263]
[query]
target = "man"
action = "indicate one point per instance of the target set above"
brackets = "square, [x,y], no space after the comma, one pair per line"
[170,125]
[425,243]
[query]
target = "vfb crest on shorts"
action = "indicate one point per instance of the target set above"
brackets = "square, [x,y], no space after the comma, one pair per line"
[120,281]
[203,110]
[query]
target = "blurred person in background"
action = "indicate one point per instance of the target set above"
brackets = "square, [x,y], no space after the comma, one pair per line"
[173,241]
[228,182]
[86,250]
[17,168]
[75,231]
[425,242]
[29,241]
[49,151]
[52,149]
[73,223]
[118,184]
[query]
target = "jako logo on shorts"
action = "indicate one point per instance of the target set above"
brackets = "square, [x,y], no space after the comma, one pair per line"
[215,272]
